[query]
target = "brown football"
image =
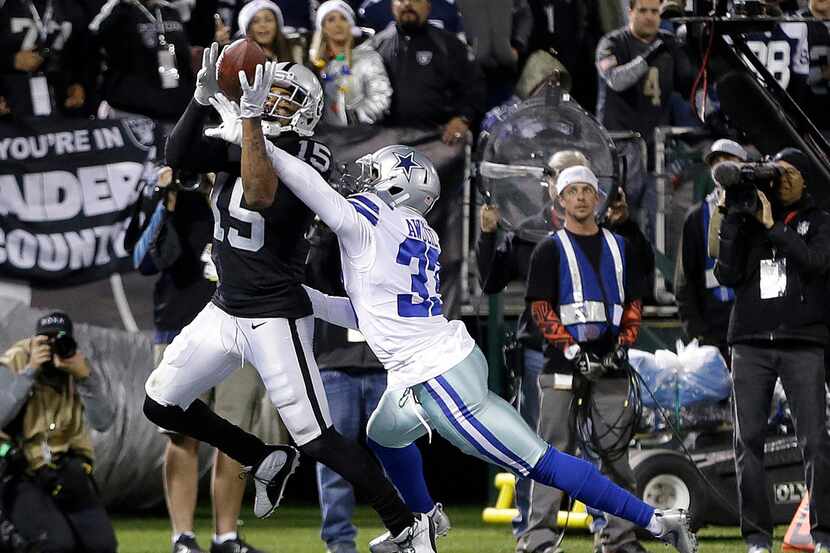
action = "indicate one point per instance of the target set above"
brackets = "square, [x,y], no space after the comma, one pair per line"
[241,55]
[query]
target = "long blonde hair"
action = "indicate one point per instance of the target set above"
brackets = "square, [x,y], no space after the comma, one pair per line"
[319,53]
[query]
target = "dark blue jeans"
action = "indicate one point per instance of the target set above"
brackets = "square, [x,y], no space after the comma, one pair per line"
[529,410]
[352,395]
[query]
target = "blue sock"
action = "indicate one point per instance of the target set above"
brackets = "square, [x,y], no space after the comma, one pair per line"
[406,470]
[584,482]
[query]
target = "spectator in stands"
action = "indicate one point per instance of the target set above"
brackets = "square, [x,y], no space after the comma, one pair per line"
[639,67]
[572,30]
[354,79]
[378,14]
[50,396]
[702,303]
[540,69]
[818,81]
[262,21]
[434,78]
[42,67]
[785,53]
[147,57]
[171,246]
[499,32]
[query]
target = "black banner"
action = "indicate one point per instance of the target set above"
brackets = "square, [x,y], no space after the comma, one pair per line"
[66,191]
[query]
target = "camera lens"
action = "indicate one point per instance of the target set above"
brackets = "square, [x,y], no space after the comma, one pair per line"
[64,345]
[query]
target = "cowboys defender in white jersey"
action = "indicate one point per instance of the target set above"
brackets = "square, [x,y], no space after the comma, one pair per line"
[390,260]
[260,312]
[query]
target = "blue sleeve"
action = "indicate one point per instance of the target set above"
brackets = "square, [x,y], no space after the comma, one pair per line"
[141,253]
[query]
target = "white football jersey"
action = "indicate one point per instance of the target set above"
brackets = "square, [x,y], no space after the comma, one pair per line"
[394,286]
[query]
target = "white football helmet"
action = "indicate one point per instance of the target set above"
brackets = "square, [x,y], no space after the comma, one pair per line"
[401,175]
[303,91]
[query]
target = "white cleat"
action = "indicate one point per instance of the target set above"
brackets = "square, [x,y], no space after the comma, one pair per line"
[418,538]
[441,520]
[270,477]
[676,530]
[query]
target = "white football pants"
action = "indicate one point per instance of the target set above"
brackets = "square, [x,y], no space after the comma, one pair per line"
[216,344]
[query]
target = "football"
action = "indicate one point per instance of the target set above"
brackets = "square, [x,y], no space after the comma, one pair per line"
[242,55]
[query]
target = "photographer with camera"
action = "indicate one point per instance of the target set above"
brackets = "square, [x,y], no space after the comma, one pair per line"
[703,304]
[775,253]
[584,289]
[49,398]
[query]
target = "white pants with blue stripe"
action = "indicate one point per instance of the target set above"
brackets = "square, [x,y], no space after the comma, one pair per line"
[463,410]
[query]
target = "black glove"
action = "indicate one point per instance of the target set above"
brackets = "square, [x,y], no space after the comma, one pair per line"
[589,366]
[616,359]
[658,47]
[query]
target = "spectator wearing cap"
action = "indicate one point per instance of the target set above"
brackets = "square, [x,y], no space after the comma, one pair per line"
[703,304]
[42,65]
[261,20]
[777,260]
[354,79]
[584,291]
[435,80]
[50,397]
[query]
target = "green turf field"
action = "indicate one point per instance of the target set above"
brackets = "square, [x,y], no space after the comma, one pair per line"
[296,530]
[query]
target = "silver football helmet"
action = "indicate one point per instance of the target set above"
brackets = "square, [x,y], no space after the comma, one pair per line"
[402,176]
[303,92]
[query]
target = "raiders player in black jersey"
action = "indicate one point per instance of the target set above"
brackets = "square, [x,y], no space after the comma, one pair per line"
[260,312]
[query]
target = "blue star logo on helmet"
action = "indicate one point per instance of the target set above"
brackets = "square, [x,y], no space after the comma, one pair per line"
[407,162]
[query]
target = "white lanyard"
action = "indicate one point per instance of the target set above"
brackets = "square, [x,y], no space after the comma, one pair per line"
[157,20]
[41,23]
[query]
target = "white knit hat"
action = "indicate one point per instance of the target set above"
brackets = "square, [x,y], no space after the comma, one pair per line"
[577,173]
[249,10]
[333,6]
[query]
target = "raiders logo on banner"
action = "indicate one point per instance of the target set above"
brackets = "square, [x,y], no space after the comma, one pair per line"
[66,196]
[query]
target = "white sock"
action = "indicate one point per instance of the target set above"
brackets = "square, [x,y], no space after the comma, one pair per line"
[655,526]
[222,538]
[180,534]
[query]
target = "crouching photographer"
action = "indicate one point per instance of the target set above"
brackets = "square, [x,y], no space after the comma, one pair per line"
[777,259]
[49,398]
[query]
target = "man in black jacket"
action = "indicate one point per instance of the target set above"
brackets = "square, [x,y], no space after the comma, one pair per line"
[433,74]
[778,262]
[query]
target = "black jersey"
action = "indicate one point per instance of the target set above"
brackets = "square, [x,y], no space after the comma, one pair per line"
[259,254]
[818,96]
[645,105]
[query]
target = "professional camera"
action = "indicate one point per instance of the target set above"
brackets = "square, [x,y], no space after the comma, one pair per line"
[63,345]
[183,180]
[742,181]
